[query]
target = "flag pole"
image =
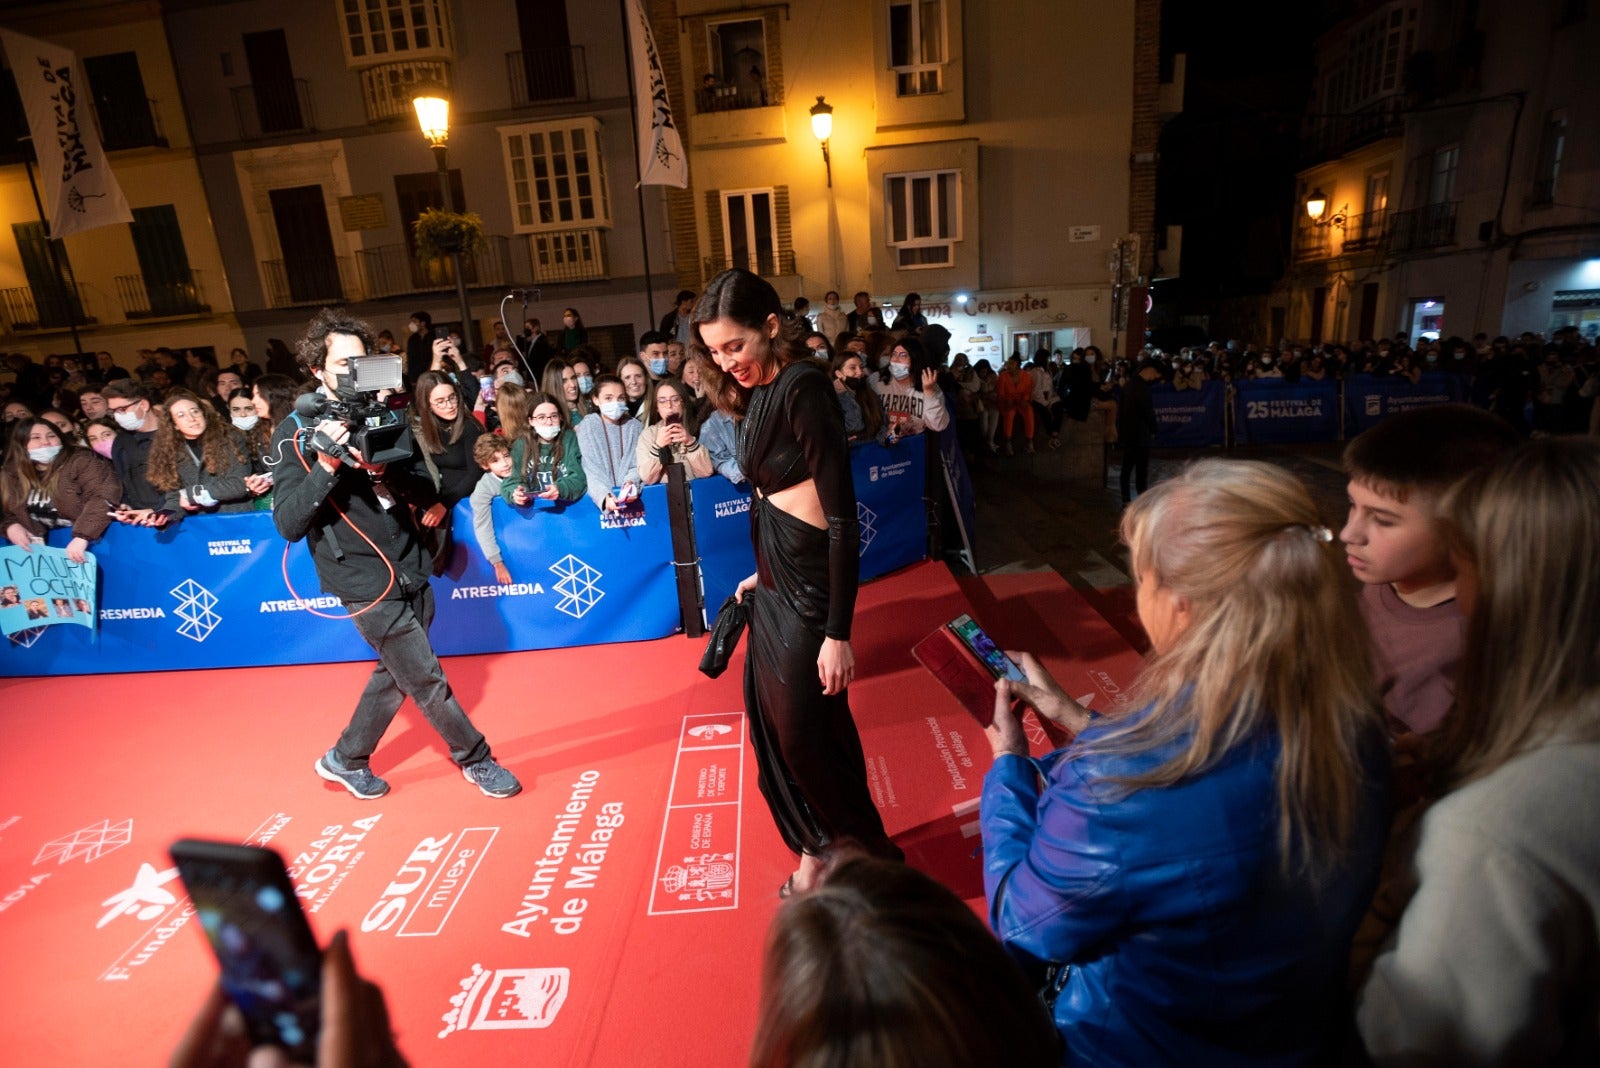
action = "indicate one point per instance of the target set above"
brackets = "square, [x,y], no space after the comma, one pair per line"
[638,173]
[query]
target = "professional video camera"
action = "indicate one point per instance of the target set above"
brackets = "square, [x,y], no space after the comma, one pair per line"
[377,431]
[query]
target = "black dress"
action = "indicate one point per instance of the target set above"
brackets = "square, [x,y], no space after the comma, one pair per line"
[811,768]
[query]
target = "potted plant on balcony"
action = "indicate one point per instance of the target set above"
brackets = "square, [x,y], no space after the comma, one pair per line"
[439,233]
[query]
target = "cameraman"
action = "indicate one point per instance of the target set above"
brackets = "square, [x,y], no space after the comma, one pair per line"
[368,553]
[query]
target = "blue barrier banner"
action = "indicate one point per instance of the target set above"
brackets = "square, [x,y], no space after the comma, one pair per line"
[966,497]
[1190,418]
[894,524]
[1272,411]
[1370,398]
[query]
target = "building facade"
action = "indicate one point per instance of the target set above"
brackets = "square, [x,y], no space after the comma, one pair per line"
[1453,146]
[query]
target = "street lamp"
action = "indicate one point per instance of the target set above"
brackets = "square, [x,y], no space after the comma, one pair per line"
[1317,205]
[432,102]
[822,126]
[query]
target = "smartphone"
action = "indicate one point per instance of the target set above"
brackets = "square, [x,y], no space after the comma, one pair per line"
[672,418]
[983,647]
[271,966]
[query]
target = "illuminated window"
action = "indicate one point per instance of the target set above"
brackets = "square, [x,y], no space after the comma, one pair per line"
[923,217]
[556,175]
[917,46]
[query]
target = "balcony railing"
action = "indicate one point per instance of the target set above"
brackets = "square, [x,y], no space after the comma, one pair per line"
[722,97]
[56,311]
[1339,134]
[1430,226]
[543,259]
[273,110]
[766,264]
[1311,242]
[547,75]
[1365,232]
[128,125]
[143,298]
[311,282]
[386,88]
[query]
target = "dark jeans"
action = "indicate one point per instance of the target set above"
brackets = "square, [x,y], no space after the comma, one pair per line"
[1135,458]
[397,630]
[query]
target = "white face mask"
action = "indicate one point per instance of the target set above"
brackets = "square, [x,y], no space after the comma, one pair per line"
[548,433]
[900,370]
[614,410]
[246,422]
[128,420]
[413,327]
[44,455]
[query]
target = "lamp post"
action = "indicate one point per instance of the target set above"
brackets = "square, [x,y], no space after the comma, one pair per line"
[1317,206]
[432,102]
[822,126]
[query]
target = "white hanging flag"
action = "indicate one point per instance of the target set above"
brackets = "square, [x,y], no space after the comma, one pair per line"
[661,158]
[78,185]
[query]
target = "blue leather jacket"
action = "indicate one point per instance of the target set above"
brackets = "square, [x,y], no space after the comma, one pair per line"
[1186,942]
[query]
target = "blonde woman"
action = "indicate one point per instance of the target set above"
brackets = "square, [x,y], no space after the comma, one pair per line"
[1495,959]
[1191,869]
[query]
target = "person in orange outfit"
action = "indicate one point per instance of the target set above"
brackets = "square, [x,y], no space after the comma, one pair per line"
[1015,393]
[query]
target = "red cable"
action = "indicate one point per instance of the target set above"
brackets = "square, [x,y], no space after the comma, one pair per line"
[392,576]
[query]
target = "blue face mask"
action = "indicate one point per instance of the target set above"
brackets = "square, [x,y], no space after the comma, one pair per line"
[658,367]
[615,411]
[900,370]
[585,385]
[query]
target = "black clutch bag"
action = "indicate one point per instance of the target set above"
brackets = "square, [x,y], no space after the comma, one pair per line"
[731,620]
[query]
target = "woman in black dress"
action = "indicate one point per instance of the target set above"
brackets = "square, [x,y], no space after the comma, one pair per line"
[755,366]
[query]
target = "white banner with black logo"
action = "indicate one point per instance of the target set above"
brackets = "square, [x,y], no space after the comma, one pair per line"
[661,158]
[78,185]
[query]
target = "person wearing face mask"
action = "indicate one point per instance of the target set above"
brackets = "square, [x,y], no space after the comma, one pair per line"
[419,344]
[910,392]
[102,435]
[549,464]
[363,523]
[561,382]
[129,404]
[832,319]
[573,333]
[636,384]
[585,363]
[609,440]
[46,483]
[653,354]
[857,400]
[202,464]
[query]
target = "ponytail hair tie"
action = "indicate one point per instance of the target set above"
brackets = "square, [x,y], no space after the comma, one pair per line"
[1319,534]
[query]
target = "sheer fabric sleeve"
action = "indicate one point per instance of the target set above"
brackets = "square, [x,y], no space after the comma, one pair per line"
[818,426]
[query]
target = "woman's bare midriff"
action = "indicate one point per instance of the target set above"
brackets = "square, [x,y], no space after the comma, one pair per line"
[800,501]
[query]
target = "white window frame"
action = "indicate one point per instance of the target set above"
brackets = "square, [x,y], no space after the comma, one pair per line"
[1449,156]
[932,239]
[730,79]
[909,78]
[535,212]
[748,195]
[384,31]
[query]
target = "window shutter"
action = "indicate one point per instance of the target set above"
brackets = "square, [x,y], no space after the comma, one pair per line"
[780,214]
[719,244]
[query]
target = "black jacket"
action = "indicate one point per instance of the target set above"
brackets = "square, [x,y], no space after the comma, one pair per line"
[131,457]
[304,499]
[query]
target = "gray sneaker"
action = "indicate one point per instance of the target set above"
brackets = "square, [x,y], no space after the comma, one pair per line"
[492,779]
[359,781]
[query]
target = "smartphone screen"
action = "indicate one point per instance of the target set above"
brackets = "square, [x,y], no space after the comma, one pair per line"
[271,966]
[983,647]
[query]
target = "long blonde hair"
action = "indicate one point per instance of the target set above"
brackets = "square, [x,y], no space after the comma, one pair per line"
[1528,528]
[1275,642]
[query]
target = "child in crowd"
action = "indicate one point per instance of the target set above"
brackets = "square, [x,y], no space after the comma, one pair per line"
[1398,472]
[547,460]
[494,456]
[609,441]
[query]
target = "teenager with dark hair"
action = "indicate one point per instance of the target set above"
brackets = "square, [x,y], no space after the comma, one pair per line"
[801,599]
[368,552]
[46,482]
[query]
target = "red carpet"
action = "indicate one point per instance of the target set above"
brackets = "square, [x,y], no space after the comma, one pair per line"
[612,914]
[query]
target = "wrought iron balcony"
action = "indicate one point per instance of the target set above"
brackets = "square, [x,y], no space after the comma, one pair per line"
[264,110]
[1430,226]
[1365,232]
[1311,242]
[547,75]
[132,123]
[309,282]
[54,310]
[568,256]
[766,264]
[144,298]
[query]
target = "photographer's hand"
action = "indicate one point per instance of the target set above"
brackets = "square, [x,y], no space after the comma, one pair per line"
[337,433]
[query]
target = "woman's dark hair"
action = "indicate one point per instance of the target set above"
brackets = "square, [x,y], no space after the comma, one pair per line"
[691,421]
[871,407]
[18,475]
[750,301]
[431,430]
[280,392]
[588,354]
[882,967]
[221,445]
[905,308]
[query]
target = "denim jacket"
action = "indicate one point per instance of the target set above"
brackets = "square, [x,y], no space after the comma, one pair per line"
[1184,940]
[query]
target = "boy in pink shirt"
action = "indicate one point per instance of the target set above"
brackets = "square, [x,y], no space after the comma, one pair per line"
[1398,472]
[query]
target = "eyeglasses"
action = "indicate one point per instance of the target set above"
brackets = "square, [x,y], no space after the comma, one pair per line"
[448,401]
[545,420]
[188,414]
[114,410]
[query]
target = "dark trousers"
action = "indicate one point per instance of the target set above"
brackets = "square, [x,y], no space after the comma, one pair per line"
[397,630]
[1135,458]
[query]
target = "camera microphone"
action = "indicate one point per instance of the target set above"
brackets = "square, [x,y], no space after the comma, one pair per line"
[311,407]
